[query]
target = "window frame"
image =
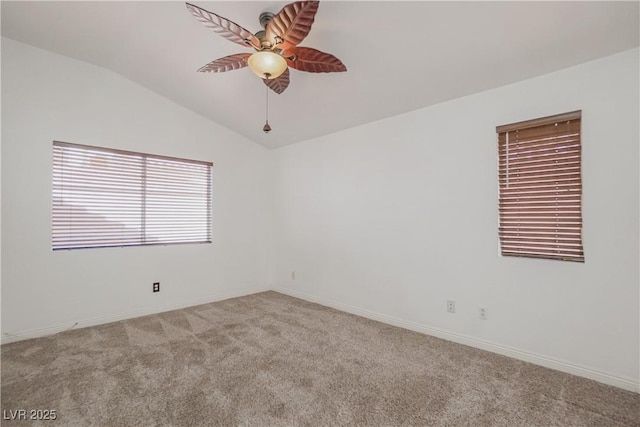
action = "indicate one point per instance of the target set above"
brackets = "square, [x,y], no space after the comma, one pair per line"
[163,164]
[531,225]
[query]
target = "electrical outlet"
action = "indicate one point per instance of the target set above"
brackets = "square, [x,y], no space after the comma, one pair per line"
[156,287]
[293,275]
[451,306]
[482,313]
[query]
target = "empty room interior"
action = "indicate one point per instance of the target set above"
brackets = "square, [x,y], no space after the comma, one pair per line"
[320,213]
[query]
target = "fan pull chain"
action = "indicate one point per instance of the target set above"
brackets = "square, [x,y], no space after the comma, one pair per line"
[266,127]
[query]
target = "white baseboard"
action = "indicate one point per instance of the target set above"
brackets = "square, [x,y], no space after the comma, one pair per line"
[547,362]
[94,321]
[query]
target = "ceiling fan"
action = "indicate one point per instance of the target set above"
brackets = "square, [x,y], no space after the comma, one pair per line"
[276,47]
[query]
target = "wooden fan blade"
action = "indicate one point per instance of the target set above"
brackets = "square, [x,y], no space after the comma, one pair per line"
[227,29]
[314,61]
[279,84]
[293,22]
[227,63]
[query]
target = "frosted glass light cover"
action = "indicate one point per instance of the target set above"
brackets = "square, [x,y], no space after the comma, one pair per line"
[267,64]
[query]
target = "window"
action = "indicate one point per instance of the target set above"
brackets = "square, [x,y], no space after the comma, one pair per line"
[540,188]
[103,197]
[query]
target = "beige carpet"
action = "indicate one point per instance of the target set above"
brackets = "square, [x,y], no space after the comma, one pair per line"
[269,359]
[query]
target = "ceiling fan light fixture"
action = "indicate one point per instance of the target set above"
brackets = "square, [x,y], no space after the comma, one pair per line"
[266,64]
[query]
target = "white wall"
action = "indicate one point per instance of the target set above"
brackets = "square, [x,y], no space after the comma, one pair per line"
[393,218]
[48,97]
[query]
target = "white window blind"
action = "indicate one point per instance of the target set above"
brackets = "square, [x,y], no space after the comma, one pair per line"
[103,197]
[540,188]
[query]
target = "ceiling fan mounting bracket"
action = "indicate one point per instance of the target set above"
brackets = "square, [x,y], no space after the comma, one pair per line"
[264,19]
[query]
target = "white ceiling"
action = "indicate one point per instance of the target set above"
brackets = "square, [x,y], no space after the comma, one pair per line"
[400,55]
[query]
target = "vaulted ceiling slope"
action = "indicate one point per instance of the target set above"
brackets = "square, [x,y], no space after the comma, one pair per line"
[400,55]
